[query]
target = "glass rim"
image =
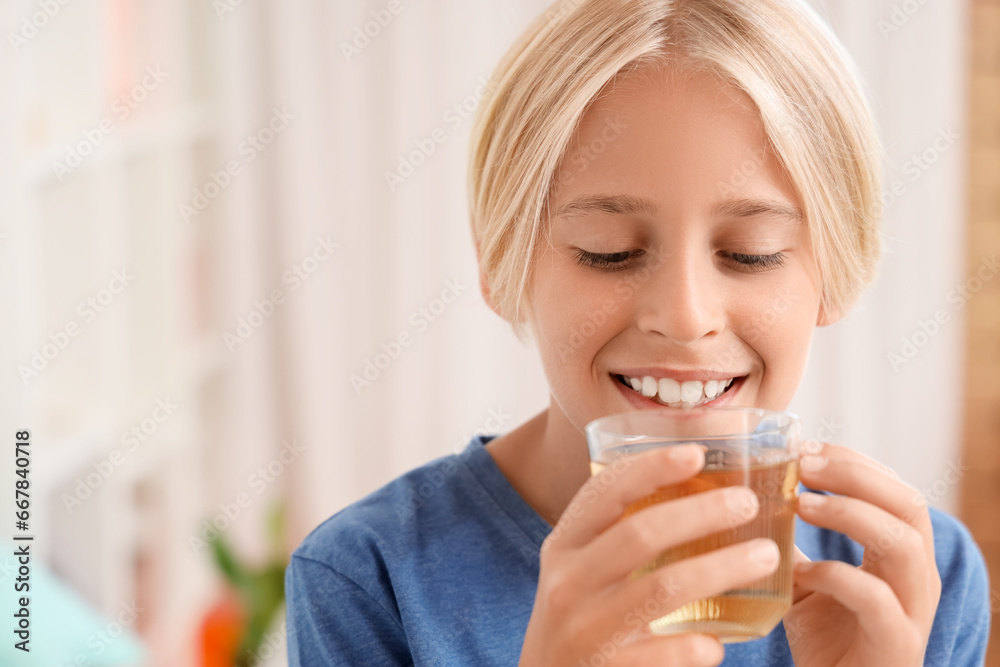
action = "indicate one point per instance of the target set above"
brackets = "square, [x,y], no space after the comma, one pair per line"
[598,425]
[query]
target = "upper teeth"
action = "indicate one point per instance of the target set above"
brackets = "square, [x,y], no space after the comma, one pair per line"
[678,394]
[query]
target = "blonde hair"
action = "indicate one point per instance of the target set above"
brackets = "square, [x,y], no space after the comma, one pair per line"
[779,52]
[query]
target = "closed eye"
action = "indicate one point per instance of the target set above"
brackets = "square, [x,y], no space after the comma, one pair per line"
[755,262]
[614,261]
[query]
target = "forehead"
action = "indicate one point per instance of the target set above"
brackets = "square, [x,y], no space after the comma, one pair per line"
[671,133]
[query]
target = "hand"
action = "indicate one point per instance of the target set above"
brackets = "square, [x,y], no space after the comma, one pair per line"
[588,611]
[881,612]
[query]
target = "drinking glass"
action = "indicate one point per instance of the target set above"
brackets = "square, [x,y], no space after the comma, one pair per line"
[743,446]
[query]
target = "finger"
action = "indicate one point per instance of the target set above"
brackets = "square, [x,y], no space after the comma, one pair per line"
[880,617]
[840,473]
[817,448]
[642,536]
[799,593]
[603,499]
[893,548]
[672,586]
[694,650]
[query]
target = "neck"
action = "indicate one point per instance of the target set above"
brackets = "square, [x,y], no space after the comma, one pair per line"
[545,460]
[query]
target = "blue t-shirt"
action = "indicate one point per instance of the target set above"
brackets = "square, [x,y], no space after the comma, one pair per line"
[439,568]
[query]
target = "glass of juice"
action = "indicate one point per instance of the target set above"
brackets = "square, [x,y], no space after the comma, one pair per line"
[743,447]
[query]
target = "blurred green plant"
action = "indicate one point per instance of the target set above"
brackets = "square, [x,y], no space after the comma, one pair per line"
[261,591]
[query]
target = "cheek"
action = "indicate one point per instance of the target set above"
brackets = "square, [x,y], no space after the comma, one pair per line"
[576,317]
[779,329]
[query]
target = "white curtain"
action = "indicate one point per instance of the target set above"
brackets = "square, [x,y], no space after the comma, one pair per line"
[397,306]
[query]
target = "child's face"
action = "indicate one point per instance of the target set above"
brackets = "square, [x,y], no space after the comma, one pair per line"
[721,282]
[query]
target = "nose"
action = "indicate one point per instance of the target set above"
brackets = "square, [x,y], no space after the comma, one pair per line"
[683,300]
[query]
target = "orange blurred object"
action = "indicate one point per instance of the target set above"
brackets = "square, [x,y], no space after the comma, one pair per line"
[221,633]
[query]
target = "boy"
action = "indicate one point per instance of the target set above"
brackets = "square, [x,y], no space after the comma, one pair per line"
[609,225]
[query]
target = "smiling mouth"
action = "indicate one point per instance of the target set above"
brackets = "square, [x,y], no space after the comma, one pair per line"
[675,394]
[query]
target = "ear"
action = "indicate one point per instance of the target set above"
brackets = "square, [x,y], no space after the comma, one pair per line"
[828,316]
[484,285]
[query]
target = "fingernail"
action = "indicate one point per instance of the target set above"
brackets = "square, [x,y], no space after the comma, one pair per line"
[741,501]
[685,453]
[764,552]
[811,447]
[812,463]
[811,501]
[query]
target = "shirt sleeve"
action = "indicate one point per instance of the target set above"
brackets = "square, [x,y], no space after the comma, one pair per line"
[333,621]
[962,624]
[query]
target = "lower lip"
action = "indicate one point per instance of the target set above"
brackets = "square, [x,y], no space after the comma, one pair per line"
[641,402]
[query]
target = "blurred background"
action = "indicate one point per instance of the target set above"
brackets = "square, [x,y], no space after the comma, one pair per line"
[218,218]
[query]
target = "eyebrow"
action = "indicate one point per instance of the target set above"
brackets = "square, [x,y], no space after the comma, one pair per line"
[751,208]
[614,204]
[634,205]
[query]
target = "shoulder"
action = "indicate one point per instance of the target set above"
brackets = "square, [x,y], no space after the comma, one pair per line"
[388,520]
[955,550]
[964,578]
[962,622]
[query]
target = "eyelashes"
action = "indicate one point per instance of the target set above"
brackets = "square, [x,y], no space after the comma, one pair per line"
[615,261]
[757,262]
[619,261]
